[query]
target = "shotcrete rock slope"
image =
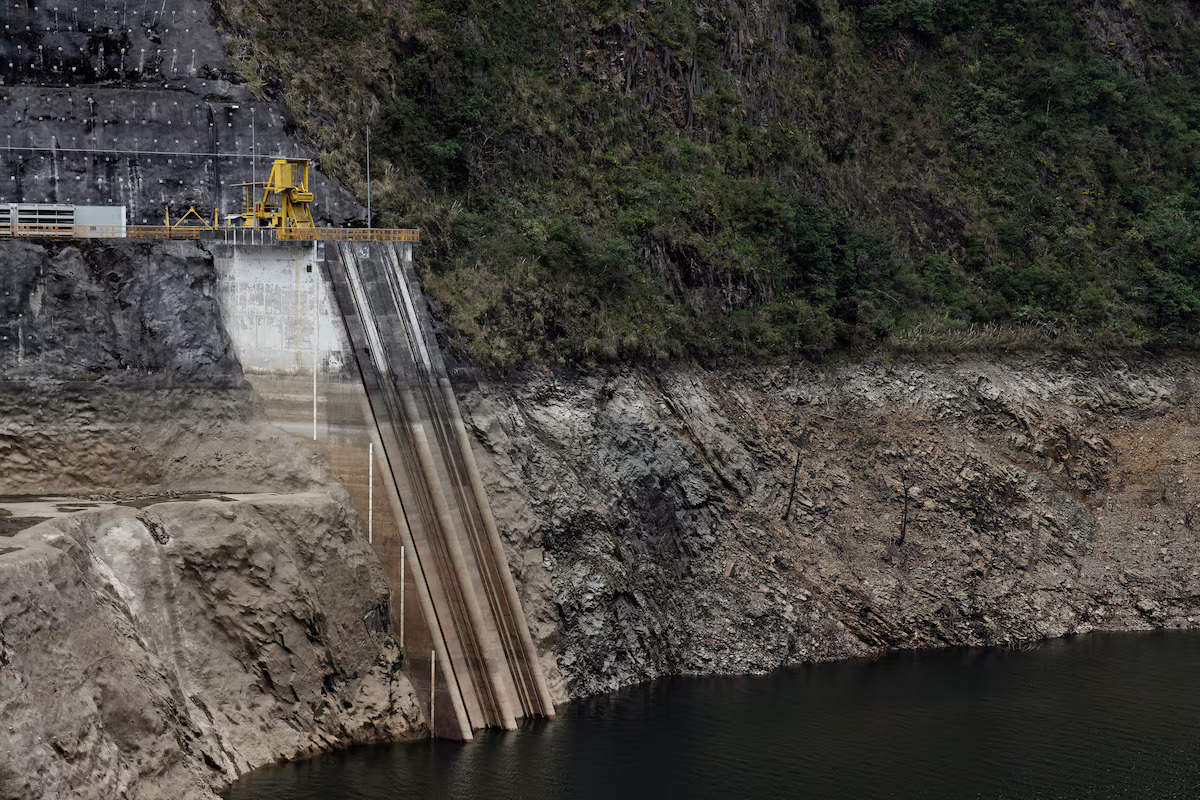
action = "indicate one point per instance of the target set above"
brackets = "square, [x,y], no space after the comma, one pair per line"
[645,509]
[139,106]
[163,652]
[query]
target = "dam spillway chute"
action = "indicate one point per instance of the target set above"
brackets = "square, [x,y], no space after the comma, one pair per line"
[494,675]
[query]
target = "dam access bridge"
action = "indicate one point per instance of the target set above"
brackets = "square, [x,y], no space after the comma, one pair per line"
[331,330]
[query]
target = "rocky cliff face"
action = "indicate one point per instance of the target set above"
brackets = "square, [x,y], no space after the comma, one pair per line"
[118,376]
[659,521]
[647,512]
[162,652]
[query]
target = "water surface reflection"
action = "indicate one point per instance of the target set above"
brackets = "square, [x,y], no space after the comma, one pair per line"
[1103,716]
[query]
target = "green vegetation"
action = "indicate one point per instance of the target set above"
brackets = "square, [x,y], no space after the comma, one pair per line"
[601,180]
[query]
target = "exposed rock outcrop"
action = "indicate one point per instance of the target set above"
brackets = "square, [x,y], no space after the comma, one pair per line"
[162,652]
[659,521]
[118,376]
[645,510]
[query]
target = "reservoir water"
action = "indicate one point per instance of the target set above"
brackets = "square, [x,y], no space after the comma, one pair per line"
[1100,716]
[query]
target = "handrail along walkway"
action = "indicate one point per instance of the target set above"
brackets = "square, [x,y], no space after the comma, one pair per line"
[264,235]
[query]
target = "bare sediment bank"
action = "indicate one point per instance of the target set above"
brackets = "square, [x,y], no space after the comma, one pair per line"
[163,651]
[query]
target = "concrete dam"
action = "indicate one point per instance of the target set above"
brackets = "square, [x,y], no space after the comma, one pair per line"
[140,108]
[337,341]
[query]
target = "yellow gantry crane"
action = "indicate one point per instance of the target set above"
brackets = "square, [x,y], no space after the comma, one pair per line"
[281,201]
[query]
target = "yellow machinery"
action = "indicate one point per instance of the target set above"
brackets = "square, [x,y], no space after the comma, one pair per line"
[191,220]
[281,201]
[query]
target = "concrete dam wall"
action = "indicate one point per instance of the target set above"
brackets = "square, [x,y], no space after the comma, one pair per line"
[337,342]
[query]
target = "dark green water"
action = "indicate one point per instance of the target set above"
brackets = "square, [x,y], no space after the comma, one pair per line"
[1102,716]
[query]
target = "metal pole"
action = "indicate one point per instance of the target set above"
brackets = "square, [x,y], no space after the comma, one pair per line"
[254,178]
[401,597]
[316,345]
[368,177]
[432,686]
[371,494]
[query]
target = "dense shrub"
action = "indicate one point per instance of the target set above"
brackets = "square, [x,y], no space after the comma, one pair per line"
[716,181]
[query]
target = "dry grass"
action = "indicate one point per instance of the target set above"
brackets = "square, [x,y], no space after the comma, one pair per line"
[934,337]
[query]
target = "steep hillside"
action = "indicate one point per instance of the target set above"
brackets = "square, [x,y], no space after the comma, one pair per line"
[728,180]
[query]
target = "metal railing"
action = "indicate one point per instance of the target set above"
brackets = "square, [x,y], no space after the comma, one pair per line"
[256,235]
[162,232]
[348,235]
[100,232]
